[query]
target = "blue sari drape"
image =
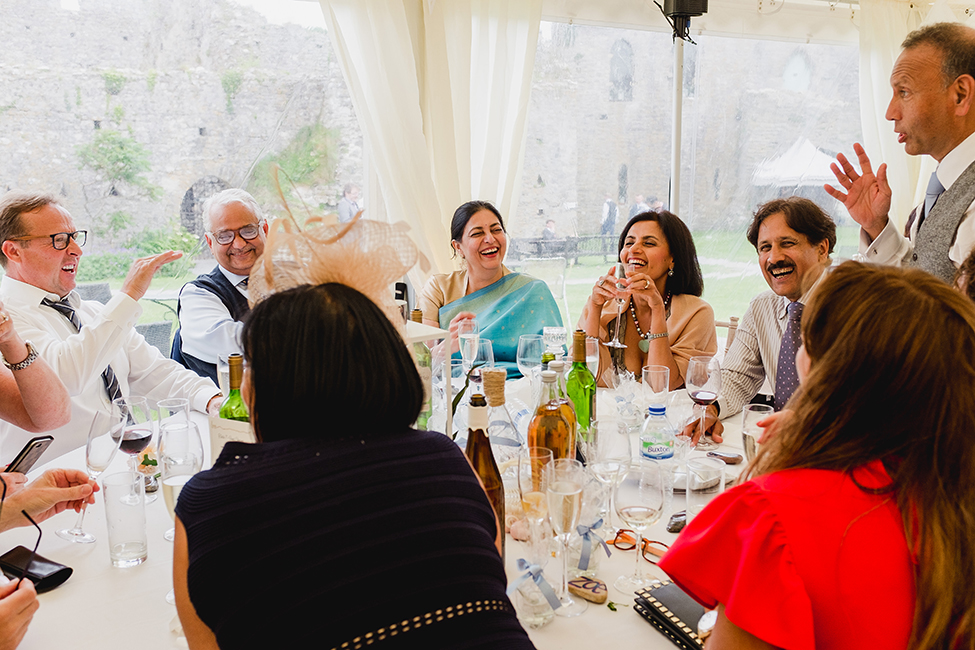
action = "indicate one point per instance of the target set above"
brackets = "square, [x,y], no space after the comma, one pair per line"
[514,305]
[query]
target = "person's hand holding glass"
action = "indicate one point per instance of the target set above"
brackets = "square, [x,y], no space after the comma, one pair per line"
[703,383]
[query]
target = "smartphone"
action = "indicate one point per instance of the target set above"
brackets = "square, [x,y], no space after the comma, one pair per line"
[30,454]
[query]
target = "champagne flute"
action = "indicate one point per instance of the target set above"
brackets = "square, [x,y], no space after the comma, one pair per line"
[469,333]
[611,453]
[531,465]
[620,272]
[484,358]
[592,355]
[530,347]
[564,479]
[181,456]
[703,385]
[104,439]
[639,500]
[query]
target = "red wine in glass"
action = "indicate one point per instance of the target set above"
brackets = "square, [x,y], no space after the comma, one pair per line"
[700,397]
[135,440]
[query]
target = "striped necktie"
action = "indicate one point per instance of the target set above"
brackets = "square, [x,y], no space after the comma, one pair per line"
[786,377]
[108,377]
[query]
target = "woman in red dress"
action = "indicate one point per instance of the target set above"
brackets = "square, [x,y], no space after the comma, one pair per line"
[857,528]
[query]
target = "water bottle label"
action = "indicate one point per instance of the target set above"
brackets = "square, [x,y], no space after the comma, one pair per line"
[657,451]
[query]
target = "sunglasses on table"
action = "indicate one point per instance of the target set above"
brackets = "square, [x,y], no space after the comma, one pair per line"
[40,533]
[60,239]
[247,233]
[652,551]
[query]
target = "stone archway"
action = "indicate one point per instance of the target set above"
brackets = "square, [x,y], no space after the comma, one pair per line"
[191,209]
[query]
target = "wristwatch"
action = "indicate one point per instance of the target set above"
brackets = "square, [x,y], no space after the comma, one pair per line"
[31,356]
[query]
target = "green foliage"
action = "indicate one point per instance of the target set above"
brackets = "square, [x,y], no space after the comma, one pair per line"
[118,113]
[173,237]
[7,107]
[151,80]
[104,266]
[111,225]
[118,159]
[77,95]
[114,82]
[309,159]
[231,81]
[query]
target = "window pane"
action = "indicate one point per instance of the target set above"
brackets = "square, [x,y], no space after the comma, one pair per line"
[762,119]
[134,113]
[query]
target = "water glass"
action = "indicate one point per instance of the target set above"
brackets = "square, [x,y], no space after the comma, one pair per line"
[751,433]
[125,511]
[656,384]
[592,355]
[223,373]
[705,480]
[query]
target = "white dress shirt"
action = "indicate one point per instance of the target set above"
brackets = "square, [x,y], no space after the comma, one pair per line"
[754,354]
[107,336]
[891,247]
[206,327]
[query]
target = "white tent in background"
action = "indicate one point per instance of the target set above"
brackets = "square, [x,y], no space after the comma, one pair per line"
[802,164]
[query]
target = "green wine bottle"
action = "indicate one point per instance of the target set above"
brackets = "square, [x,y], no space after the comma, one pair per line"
[424,365]
[233,408]
[581,385]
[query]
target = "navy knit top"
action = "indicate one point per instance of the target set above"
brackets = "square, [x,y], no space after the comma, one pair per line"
[315,543]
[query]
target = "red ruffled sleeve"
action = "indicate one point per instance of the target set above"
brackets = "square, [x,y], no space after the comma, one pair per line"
[735,552]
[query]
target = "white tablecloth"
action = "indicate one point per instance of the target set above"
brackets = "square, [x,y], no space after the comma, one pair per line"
[104,608]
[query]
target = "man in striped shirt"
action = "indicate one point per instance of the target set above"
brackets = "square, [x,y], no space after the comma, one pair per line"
[794,239]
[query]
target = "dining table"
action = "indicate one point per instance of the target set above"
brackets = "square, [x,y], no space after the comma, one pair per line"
[107,608]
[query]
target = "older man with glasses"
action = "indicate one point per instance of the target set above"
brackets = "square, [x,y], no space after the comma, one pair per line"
[211,306]
[93,348]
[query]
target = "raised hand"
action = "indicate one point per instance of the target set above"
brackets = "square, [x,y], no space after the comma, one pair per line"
[867,197]
[140,274]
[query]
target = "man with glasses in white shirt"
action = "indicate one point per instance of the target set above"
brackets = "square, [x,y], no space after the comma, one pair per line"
[93,348]
[211,307]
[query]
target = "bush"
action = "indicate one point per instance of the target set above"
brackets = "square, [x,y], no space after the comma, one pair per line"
[104,266]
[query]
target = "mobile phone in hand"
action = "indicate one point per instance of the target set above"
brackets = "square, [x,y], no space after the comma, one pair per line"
[30,454]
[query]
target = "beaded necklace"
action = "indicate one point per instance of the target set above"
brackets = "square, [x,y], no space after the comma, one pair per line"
[644,343]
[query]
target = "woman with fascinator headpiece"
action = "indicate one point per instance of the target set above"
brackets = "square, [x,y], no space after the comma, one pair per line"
[342,522]
[505,304]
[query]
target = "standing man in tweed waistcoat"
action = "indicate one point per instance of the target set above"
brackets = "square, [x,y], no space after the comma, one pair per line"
[932,109]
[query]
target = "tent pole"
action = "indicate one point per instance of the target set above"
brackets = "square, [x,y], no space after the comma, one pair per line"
[675,138]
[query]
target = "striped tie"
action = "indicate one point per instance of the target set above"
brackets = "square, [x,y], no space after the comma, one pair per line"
[108,377]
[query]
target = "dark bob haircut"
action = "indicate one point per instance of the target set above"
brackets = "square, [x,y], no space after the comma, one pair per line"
[326,362]
[687,276]
[802,215]
[464,213]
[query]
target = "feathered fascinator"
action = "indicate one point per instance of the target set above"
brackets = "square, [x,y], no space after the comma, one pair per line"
[366,255]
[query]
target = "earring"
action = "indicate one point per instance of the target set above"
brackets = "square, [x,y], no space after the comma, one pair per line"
[670,272]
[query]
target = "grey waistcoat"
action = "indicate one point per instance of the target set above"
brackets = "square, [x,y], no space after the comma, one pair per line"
[937,231]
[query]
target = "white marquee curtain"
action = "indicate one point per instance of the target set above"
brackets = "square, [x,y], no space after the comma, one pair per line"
[441,92]
[883,26]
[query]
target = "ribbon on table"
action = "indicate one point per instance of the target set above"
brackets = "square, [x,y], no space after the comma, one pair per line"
[587,533]
[534,572]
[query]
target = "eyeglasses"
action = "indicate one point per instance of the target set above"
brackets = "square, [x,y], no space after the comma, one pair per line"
[60,239]
[247,233]
[40,533]
[652,551]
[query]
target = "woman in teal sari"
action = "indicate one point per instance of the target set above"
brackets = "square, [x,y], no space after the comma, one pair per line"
[505,304]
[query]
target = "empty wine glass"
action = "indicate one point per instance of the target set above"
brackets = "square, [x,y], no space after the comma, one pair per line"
[703,386]
[104,438]
[563,480]
[181,456]
[469,333]
[751,433]
[639,501]
[619,272]
[611,453]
